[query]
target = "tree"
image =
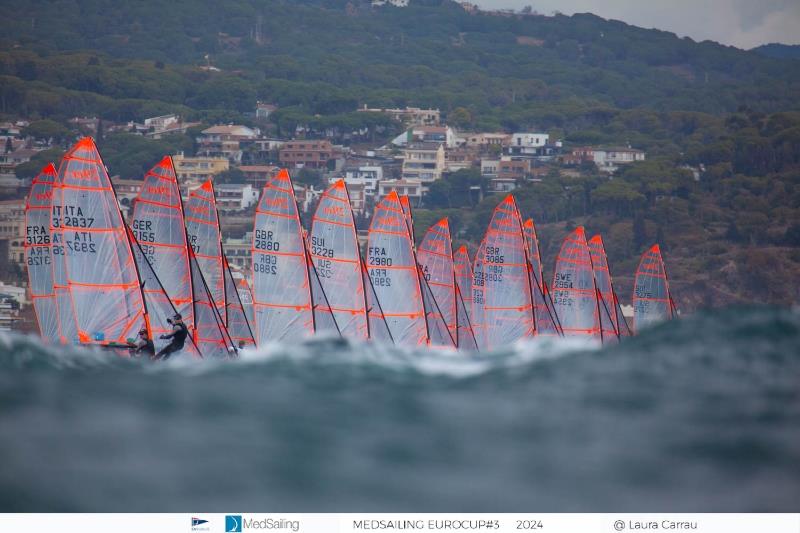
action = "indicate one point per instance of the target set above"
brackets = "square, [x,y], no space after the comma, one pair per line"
[308,176]
[46,130]
[639,233]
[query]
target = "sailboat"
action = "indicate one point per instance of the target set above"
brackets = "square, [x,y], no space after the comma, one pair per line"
[337,260]
[98,262]
[574,289]
[282,300]
[508,307]
[157,224]
[478,285]
[610,319]
[435,256]
[462,266]
[652,300]
[38,253]
[393,270]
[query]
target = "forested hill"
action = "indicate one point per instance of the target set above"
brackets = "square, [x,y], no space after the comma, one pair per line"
[327,56]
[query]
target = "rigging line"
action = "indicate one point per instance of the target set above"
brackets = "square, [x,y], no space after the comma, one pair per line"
[469,322]
[602,300]
[375,294]
[435,303]
[241,305]
[310,263]
[217,318]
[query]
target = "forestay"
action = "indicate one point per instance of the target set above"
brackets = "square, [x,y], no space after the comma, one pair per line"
[337,261]
[100,269]
[652,301]
[38,256]
[158,225]
[508,308]
[574,290]
[202,225]
[281,289]
[393,270]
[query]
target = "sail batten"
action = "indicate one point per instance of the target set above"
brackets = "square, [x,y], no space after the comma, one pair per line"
[435,258]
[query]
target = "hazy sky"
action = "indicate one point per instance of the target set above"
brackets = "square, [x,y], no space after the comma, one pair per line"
[742,23]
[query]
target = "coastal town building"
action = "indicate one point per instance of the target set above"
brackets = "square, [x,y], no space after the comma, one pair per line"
[314,154]
[408,187]
[225,141]
[199,168]
[367,177]
[607,159]
[258,175]
[235,196]
[423,161]
[264,110]
[410,116]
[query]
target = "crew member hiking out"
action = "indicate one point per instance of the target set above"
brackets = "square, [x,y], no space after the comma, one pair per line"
[177,336]
[143,345]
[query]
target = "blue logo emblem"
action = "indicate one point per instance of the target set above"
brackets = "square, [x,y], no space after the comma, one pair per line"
[198,521]
[233,523]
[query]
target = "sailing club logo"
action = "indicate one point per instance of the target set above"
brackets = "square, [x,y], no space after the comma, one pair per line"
[233,523]
[197,524]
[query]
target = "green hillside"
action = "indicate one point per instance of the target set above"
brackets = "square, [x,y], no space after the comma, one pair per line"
[733,114]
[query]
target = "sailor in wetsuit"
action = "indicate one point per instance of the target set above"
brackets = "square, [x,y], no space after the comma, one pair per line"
[143,345]
[177,336]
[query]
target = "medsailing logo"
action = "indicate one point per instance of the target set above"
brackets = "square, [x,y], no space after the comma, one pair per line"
[233,523]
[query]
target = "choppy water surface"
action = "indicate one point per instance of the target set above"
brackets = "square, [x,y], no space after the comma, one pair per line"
[701,414]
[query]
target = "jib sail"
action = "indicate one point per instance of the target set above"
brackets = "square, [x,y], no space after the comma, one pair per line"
[652,301]
[202,225]
[508,307]
[38,253]
[337,261]
[574,290]
[100,269]
[281,288]
[158,225]
[392,268]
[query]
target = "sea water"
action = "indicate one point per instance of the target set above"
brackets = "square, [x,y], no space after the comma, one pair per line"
[698,414]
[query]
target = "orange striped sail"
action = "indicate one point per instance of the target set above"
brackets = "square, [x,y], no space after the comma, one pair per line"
[508,308]
[574,289]
[281,289]
[100,269]
[462,265]
[38,256]
[378,328]
[202,225]
[324,321]
[609,319]
[158,226]
[337,260]
[477,301]
[652,301]
[546,319]
[238,326]
[210,335]
[246,297]
[392,268]
[435,256]
[67,324]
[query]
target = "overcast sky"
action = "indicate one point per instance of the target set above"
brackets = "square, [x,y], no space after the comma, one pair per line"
[742,23]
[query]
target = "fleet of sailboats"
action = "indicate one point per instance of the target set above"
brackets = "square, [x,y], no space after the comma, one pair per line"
[97,279]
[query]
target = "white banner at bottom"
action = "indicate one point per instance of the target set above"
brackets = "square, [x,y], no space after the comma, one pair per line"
[241,522]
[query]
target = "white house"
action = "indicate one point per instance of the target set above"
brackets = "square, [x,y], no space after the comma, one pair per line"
[368,176]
